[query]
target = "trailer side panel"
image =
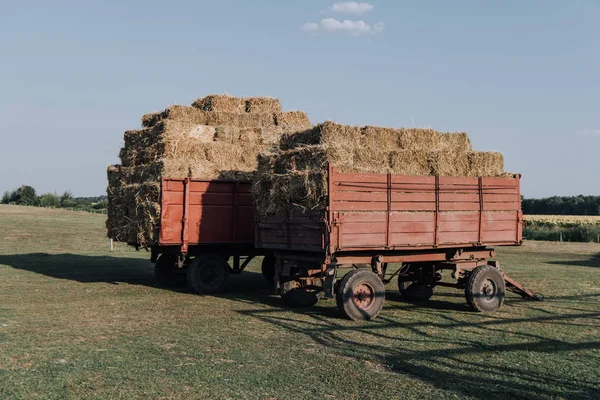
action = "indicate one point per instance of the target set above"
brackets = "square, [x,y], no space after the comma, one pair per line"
[198,212]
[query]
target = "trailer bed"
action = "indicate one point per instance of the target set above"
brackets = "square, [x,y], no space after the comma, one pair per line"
[390,212]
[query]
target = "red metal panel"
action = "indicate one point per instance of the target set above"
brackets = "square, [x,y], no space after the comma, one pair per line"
[459,237]
[424,211]
[427,217]
[413,238]
[218,212]
[416,180]
[406,196]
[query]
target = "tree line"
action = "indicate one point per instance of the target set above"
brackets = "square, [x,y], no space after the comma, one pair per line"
[562,205]
[27,196]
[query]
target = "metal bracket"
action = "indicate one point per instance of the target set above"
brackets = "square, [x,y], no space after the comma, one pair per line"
[329,282]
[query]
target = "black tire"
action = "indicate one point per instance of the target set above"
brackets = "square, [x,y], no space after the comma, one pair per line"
[208,274]
[361,295]
[268,268]
[485,289]
[297,297]
[167,274]
[415,291]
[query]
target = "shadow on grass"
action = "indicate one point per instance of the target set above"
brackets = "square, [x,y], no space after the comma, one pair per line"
[593,262]
[451,354]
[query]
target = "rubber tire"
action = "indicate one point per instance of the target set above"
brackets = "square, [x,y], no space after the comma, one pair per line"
[166,274]
[299,298]
[345,295]
[414,291]
[268,268]
[195,274]
[474,286]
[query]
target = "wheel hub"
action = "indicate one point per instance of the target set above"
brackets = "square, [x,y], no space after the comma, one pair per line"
[364,296]
[488,290]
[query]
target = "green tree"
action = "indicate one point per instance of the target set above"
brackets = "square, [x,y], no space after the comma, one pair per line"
[25,195]
[6,197]
[49,200]
[67,200]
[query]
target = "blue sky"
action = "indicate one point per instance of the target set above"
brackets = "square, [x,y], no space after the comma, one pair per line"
[521,77]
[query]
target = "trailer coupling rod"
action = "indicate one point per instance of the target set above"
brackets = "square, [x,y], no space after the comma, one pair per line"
[517,288]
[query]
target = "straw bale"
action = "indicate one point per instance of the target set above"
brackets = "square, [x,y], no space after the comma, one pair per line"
[445,163]
[410,162]
[292,121]
[134,213]
[457,142]
[114,175]
[485,163]
[221,103]
[325,134]
[263,105]
[179,113]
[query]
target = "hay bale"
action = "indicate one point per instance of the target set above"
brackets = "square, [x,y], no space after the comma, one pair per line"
[263,105]
[221,103]
[485,163]
[457,142]
[388,139]
[410,162]
[325,134]
[445,163]
[292,121]
[134,214]
[177,113]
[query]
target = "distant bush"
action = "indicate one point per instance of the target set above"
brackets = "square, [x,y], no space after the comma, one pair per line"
[49,200]
[26,195]
[569,229]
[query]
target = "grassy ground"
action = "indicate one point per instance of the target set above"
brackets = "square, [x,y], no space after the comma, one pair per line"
[77,321]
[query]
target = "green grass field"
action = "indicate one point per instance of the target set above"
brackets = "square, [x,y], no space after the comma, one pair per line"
[77,321]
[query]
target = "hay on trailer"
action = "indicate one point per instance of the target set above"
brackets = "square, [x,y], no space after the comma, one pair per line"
[388,139]
[187,114]
[263,105]
[194,160]
[218,138]
[485,163]
[134,214]
[445,163]
[328,133]
[284,178]
[292,121]
[410,162]
[221,103]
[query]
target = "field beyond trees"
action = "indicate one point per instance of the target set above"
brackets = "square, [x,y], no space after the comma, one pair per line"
[79,321]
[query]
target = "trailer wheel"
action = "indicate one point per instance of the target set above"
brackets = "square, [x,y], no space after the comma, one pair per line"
[361,295]
[167,274]
[294,295]
[208,274]
[485,289]
[268,268]
[415,291]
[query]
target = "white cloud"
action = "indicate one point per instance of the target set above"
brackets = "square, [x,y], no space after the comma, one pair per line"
[355,28]
[310,27]
[351,7]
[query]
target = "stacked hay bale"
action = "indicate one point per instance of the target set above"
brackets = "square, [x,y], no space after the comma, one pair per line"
[218,137]
[295,176]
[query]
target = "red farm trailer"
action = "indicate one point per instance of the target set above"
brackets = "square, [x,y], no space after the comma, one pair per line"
[204,224]
[426,224]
